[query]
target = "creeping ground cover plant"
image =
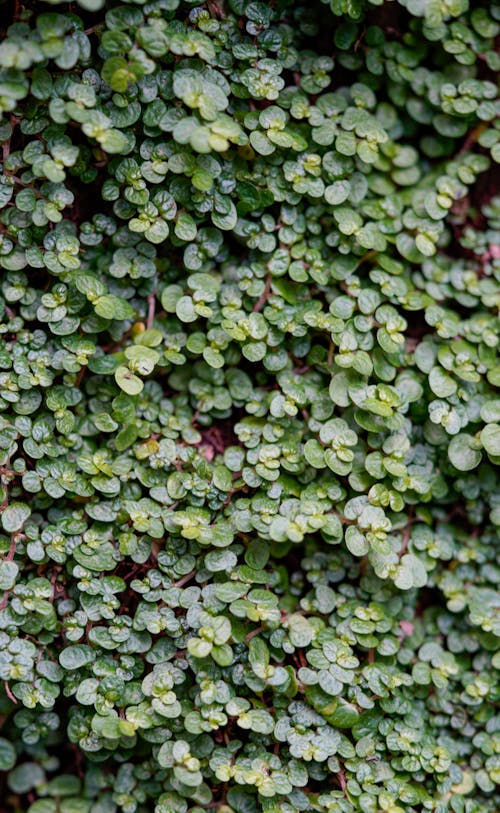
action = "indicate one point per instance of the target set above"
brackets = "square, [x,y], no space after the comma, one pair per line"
[249,406]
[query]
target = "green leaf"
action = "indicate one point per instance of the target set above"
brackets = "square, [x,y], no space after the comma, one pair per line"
[441,384]
[198,648]
[14,516]
[410,573]
[490,438]
[8,755]
[76,657]
[464,452]
[112,307]
[127,381]
[157,232]
[8,574]
[184,309]
[337,193]
[299,630]
[185,227]
[314,454]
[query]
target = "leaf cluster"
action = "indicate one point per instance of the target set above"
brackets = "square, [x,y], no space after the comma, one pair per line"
[249,418]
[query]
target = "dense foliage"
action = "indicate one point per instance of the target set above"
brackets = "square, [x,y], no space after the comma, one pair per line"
[250,262]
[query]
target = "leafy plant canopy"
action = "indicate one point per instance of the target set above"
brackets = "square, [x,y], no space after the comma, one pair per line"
[249,425]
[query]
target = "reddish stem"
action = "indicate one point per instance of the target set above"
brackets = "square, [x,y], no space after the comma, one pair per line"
[151,311]
[185,579]
[265,296]
[9,693]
